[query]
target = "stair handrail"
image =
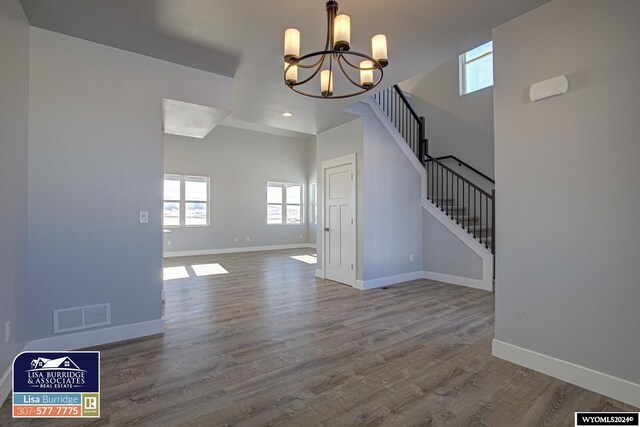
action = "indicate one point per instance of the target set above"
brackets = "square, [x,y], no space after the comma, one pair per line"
[403,116]
[412,128]
[456,174]
[467,165]
[406,102]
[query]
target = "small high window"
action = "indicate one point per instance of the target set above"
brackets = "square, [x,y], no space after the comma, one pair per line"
[476,69]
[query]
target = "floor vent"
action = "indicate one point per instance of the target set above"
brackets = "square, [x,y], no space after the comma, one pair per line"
[73,319]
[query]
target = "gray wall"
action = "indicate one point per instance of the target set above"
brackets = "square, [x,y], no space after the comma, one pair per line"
[388,210]
[457,125]
[446,254]
[340,141]
[239,163]
[392,207]
[568,239]
[14,139]
[95,161]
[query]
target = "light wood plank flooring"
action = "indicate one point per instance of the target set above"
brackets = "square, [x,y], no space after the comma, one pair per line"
[269,344]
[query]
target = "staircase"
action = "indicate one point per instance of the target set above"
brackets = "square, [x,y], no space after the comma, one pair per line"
[463,201]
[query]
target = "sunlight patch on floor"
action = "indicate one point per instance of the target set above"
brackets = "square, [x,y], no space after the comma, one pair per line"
[171,273]
[309,259]
[208,269]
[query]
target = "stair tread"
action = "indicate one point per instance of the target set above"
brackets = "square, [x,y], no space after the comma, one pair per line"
[481,233]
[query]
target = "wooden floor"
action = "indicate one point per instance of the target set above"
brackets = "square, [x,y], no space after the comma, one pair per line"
[269,344]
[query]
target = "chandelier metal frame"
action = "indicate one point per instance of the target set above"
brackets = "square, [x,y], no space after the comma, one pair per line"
[333,53]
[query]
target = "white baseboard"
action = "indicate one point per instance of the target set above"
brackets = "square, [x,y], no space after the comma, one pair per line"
[596,381]
[458,280]
[238,250]
[95,337]
[320,273]
[416,275]
[5,383]
[387,281]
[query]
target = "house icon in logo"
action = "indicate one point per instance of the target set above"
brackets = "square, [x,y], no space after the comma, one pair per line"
[63,363]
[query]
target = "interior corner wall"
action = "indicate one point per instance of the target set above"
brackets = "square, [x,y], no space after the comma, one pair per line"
[455,125]
[95,162]
[340,141]
[568,239]
[14,141]
[239,163]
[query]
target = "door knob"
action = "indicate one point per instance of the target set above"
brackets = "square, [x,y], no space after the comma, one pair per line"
[326,229]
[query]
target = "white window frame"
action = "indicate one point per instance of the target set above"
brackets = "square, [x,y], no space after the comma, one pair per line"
[183,200]
[463,63]
[313,204]
[284,204]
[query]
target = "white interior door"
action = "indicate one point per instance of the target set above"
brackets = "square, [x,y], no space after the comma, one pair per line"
[339,224]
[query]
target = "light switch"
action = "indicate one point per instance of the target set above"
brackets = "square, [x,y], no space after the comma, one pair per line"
[144,217]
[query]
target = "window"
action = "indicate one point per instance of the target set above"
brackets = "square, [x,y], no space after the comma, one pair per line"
[172,191]
[284,203]
[313,212]
[186,201]
[476,69]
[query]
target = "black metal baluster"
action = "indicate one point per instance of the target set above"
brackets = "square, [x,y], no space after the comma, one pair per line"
[469,207]
[457,199]
[402,125]
[447,192]
[432,178]
[480,219]
[474,212]
[388,106]
[441,187]
[395,107]
[464,205]
[486,220]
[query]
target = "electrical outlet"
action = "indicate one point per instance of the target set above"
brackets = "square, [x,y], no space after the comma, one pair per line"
[7,331]
[411,258]
[301,236]
[144,217]
[168,242]
[235,240]
[248,239]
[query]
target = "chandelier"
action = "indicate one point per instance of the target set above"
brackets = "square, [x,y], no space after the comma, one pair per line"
[335,56]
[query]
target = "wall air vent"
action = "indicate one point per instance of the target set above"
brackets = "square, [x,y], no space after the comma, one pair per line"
[76,318]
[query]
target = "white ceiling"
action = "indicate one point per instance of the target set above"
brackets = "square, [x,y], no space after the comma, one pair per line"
[243,39]
[192,120]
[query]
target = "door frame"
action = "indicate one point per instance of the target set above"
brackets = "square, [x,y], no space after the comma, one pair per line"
[349,159]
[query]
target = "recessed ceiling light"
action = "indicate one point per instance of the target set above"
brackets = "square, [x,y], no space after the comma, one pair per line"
[287,114]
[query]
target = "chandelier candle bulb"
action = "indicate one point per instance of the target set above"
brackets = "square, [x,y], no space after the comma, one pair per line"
[379,49]
[291,45]
[291,73]
[366,74]
[326,83]
[337,56]
[342,32]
